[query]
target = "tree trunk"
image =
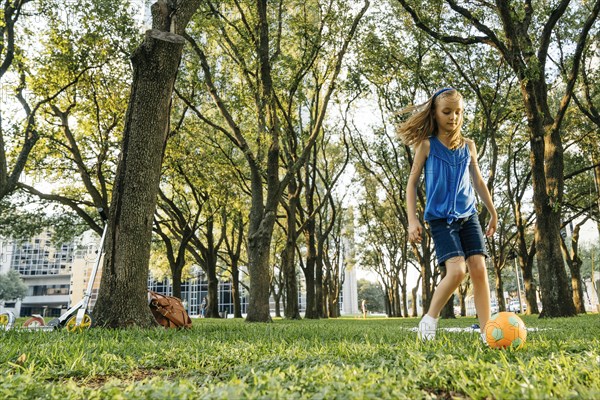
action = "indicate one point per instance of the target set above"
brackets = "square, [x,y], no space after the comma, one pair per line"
[235,290]
[387,300]
[212,301]
[123,294]
[234,249]
[548,182]
[574,262]
[448,310]
[258,270]
[263,214]
[309,277]
[426,275]
[404,298]
[463,289]
[462,304]
[288,257]
[525,259]
[319,302]
[176,273]
[333,285]
[577,284]
[414,291]
[396,297]
[260,232]
[276,299]
[122,299]
[499,287]
[530,290]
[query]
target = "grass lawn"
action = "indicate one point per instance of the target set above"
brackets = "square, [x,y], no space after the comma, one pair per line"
[327,359]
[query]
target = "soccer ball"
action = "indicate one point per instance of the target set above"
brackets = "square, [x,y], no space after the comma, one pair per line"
[505,329]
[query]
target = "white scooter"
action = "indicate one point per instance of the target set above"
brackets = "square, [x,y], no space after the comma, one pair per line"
[76,318]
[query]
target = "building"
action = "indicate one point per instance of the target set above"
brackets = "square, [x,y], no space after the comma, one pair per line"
[57,277]
[45,269]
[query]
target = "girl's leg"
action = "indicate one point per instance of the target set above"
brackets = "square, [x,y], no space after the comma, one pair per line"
[481,287]
[455,273]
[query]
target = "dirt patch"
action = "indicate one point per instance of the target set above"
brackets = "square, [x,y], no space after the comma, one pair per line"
[97,381]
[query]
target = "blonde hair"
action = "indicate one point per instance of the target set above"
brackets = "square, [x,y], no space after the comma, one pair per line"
[422,124]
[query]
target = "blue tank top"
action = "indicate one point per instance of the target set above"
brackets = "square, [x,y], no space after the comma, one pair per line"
[448,183]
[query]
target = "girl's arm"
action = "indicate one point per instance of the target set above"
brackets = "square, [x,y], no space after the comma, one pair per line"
[482,190]
[415,229]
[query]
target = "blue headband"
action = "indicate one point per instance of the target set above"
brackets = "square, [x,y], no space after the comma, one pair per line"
[436,94]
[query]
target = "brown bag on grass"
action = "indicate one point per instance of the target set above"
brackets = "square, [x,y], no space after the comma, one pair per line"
[168,311]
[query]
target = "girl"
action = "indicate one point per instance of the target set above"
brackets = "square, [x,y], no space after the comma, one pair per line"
[451,174]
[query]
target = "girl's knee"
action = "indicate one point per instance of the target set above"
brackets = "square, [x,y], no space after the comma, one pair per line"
[477,268]
[455,269]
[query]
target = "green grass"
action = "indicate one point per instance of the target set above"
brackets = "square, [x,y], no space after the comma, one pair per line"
[327,359]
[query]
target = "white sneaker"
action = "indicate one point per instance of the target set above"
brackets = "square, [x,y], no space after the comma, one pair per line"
[427,328]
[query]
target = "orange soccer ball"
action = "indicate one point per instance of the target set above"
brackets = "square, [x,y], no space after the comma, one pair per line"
[505,329]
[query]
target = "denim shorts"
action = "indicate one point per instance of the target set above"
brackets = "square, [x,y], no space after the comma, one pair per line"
[462,237]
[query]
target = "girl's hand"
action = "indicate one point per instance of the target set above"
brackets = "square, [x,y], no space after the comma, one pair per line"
[415,232]
[492,226]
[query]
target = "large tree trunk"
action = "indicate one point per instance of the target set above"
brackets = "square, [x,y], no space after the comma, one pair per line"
[263,214]
[259,241]
[122,299]
[123,295]
[548,183]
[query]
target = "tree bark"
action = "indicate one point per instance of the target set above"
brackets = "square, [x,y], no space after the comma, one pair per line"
[574,262]
[233,245]
[309,272]
[319,297]
[413,292]
[123,295]
[548,181]
[288,256]
[122,299]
